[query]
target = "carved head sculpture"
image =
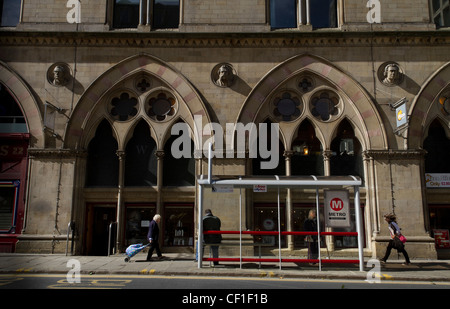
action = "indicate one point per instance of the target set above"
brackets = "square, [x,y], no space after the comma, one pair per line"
[225,76]
[58,74]
[392,74]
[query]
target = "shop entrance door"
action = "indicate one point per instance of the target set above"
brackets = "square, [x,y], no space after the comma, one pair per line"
[98,230]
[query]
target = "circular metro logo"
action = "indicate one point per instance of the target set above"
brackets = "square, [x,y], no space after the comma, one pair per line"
[336,204]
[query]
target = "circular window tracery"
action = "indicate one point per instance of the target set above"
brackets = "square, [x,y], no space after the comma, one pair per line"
[325,106]
[123,107]
[287,106]
[161,106]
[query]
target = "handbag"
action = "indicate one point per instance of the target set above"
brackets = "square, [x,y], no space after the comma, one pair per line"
[397,243]
[402,238]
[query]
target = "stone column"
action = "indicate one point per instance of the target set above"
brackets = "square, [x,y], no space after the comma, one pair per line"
[159,182]
[120,208]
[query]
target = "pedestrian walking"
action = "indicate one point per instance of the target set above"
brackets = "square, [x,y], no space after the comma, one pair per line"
[394,242]
[153,238]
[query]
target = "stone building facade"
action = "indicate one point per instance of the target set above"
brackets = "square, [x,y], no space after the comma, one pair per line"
[99,88]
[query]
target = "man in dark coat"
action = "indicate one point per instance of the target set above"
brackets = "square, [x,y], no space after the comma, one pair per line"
[212,223]
[153,238]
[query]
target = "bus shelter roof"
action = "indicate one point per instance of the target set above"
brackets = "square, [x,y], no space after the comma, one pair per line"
[281,181]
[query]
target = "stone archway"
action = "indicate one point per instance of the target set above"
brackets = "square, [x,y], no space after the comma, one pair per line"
[425,107]
[124,69]
[367,119]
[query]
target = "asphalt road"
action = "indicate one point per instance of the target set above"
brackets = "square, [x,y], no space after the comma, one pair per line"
[93,282]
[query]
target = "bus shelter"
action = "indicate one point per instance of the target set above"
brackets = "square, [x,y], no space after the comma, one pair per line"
[280,182]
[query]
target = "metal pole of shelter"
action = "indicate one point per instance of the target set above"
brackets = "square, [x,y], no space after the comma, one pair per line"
[279,224]
[240,227]
[359,229]
[318,228]
[200,227]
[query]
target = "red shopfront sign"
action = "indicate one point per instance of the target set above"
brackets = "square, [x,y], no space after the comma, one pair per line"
[442,239]
[11,150]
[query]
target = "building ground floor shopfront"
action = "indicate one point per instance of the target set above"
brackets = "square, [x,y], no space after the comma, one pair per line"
[113,167]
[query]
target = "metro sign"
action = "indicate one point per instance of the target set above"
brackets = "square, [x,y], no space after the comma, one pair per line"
[337,208]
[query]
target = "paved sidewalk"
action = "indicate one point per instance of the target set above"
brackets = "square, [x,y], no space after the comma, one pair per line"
[182,264]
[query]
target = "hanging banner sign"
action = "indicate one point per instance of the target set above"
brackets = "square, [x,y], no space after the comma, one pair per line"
[437,180]
[337,208]
[402,117]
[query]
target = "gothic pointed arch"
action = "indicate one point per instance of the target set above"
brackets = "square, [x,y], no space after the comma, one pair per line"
[429,105]
[174,83]
[28,103]
[364,112]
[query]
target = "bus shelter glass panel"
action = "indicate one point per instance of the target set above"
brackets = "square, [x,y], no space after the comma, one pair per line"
[266,219]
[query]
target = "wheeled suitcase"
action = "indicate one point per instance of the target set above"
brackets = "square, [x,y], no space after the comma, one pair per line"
[132,250]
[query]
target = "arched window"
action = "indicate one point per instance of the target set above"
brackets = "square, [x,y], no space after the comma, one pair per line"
[178,171]
[437,145]
[346,152]
[307,158]
[102,162]
[11,117]
[140,160]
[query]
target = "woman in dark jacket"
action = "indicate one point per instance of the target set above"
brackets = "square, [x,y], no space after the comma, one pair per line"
[310,225]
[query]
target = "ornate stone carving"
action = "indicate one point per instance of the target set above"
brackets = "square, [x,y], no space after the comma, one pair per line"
[161,106]
[124,107]
[223,75]
[325,106]
[390,74]
[287,106]
[58,74]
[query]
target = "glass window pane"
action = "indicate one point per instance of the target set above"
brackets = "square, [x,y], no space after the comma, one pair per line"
[323,14]
[166,14]
[7,206]
[141,160]
[10,13]
[102,162]
[446,17]
[179,225]
[126,14]
[437,146]
[178,172]
[283,14]
[11,117]
[138,219]
[436,5]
